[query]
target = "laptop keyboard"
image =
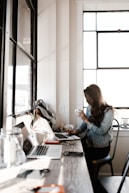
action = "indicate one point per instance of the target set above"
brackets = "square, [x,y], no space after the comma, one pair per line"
[40,150]
[60,136]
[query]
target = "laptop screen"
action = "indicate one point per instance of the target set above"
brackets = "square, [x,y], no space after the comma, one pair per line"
[27,145]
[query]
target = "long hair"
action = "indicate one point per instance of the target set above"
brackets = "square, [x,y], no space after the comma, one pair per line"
[98,105]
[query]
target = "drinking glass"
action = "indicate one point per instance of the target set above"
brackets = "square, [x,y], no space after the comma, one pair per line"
[46,136]
[125,122]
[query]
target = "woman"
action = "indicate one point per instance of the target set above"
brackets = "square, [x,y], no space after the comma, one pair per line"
[96,129]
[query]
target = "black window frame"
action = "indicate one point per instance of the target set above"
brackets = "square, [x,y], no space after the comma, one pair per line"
[2,50]
[32,5]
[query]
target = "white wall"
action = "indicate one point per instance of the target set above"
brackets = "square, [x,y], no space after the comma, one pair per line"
[47,52]
[60,57]
[60,74]
[60,63]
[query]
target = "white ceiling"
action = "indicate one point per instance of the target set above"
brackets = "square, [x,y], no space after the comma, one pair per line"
[104,4]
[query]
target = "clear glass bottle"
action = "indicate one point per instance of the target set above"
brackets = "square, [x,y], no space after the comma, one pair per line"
[17,132]
[10,141]
[2,164]
[20,155]
[13,152]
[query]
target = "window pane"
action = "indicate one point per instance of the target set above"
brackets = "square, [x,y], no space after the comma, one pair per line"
[109,49]
[89,21]
[24,25]
[23,80]
[113,50]
[89,53]
[10,88]
[114,86]
[113,21]
[10,82]
[89,78]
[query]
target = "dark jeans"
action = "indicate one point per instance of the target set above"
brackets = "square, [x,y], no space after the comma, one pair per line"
[96,153]
[93,154]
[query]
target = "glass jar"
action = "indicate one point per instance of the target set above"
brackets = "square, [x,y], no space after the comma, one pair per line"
[20,155]
[13,152]
[2,164]
[10,142]
[17,132]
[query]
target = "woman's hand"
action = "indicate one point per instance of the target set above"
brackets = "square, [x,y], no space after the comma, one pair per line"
[73,132]
[83,116]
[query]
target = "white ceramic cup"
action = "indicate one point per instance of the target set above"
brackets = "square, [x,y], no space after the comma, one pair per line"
[77,111]
[68,126]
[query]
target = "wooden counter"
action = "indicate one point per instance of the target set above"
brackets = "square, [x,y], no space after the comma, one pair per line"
[71,172]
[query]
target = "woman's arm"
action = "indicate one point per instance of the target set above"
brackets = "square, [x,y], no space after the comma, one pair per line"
[105,124]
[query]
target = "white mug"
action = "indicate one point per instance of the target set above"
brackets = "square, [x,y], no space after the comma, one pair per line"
[77,111]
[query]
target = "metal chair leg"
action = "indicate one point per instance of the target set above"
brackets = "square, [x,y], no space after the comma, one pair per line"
[111,168]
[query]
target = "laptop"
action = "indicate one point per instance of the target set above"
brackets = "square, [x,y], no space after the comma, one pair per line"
[34,151]
[63,136]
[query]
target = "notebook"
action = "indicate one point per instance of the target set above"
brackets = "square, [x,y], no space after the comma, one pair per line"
[38,151]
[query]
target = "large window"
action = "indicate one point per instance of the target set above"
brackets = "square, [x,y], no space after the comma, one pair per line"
[21,91]
[18,57]
[106,58]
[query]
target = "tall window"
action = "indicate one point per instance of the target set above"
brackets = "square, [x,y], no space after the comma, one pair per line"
[106,54]
[18,57]
[21,91]
[2,47]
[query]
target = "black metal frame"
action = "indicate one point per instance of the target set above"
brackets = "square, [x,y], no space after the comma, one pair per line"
[2,50]
[32,4]
[33,56]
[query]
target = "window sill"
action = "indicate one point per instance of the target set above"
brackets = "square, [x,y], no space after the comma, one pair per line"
[123,132]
